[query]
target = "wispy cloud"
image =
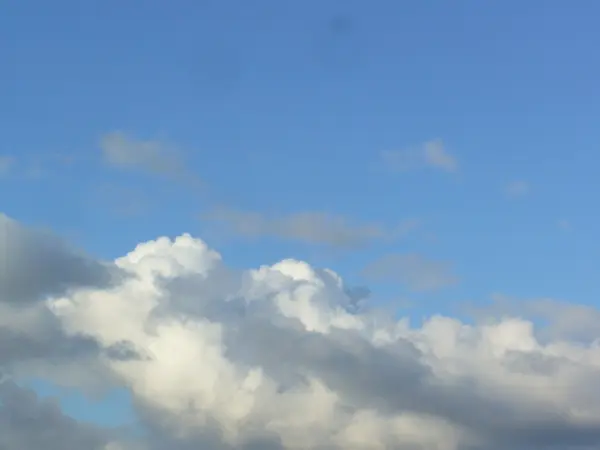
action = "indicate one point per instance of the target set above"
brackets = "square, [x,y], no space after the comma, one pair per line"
[6,165]
[517,188]
[122,201]
[152,156]
[432,154]
[564,224]
[32,167]
[311,227]
[418,273]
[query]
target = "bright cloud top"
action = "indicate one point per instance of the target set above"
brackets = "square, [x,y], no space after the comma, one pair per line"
[273,357]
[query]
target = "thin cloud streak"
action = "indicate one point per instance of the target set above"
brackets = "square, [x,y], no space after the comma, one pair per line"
[311,227]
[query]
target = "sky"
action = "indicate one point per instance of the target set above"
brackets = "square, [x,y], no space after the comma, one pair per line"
[186,175]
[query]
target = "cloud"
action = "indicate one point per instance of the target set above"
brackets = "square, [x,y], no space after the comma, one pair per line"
[564,224]
[155,157]
[310,227]
[26,422]
[31,335]
[430,154]
[517,188]
[437,156]
[122,201]
[415,271]
[557,320]
[36,264]
[6,164]
[277,357]
[34,167]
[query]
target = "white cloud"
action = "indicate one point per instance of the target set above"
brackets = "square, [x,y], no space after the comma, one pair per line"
[436,155]
[432,153]
[161,158]
[415,271]
[310,227]
[517,188]
[558,320]
[273,358]
[34,266]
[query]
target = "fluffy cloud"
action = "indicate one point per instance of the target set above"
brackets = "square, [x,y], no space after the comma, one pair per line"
[561,320]
[310,227]
[36,266]
[275,358]
[430,154]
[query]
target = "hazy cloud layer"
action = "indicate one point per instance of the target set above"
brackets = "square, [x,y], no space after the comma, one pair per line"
[278,358]
[152,156]
[517,188]
[6,164]
[311,227]
[415,271]
[122,201]
[432,154]
[564,224]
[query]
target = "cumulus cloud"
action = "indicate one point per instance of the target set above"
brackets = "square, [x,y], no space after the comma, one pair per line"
[415,271]
[432,153]
[310,227]
[37,264]
[152,156]
[557,320]
[276,357]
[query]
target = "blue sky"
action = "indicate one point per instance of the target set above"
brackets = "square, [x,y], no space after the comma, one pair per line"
[280,108]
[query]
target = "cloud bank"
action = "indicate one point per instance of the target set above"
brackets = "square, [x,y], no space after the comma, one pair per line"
[275,357]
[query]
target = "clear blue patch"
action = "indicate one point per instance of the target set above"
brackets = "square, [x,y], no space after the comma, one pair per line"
[113,409]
